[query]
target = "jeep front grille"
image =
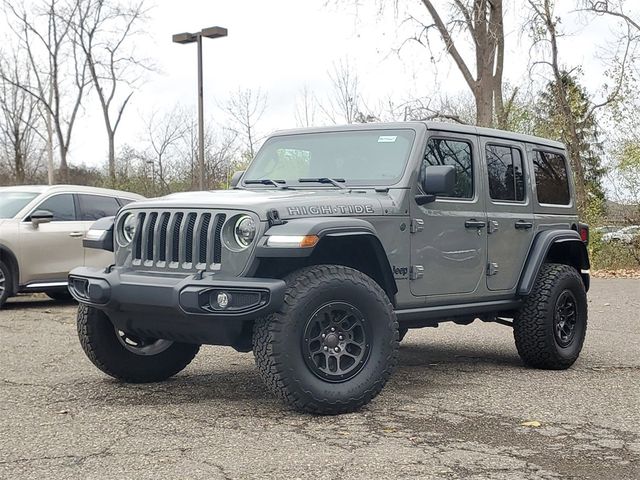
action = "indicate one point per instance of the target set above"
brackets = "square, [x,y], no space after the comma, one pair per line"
[184,240]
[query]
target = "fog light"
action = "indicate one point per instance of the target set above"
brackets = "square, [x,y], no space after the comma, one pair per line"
[222,300]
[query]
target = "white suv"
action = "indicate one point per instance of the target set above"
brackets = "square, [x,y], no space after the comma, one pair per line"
[41,231]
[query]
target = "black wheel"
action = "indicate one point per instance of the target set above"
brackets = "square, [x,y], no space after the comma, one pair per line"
[129,357]
[550,328]
[61,295]
[333,344]
[5,283]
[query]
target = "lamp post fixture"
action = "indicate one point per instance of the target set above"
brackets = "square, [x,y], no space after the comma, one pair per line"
[211,32]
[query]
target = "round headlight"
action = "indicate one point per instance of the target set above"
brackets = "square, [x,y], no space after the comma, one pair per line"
[128,228]
[244,231]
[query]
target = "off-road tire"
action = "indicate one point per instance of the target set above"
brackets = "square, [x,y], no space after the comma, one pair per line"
[278,340]
[100,343]
[6,274]
[533,326]
[61,295]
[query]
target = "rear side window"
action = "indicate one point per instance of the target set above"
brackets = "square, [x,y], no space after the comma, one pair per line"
[441,151]
[61,206]
[552,179]
[506,177]
[95,207]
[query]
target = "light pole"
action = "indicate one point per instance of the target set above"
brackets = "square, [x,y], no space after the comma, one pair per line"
[211,32]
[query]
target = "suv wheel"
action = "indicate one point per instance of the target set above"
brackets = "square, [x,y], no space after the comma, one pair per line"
[333,344]
[128,357]
[550,328]
[5,283]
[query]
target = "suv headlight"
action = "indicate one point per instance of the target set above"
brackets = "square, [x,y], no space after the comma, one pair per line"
[127,227]
[244,231]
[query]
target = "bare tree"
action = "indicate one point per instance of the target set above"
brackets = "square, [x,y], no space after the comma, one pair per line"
[164,134]
[19,121]
[482,22]
[105,32]
[305,109]
[58,74]
[544,25]
[245,109]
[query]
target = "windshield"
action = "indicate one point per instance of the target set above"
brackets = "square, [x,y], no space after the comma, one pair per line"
[364,157]
[12,202]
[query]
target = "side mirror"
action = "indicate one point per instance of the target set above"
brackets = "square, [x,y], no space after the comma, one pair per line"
[235,180]
[40,216]
[437,180]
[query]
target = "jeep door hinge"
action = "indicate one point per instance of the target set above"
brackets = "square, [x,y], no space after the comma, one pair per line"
[492,269]
[493,226]
[417,225]
[417,271]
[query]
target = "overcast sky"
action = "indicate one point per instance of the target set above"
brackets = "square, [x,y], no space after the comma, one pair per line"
[280,46]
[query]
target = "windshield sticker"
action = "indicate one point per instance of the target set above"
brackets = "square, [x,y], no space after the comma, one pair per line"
[387,138]
[330,210]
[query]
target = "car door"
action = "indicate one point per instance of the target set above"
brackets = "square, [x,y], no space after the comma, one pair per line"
[49,250]
[510,218]
[92,208]
[448,242]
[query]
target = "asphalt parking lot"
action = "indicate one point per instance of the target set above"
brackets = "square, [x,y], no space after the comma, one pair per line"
[455,408]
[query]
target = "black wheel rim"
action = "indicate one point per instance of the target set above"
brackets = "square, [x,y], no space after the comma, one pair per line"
[565,318]
[142,346]
[336,342]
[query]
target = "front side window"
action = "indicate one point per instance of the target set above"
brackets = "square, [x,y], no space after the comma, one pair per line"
[552,179]
[442,151]
[61,206]
[506,178]
[11,202]
[95,207]
[360,157]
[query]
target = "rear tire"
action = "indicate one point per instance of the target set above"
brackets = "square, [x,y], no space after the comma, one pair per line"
[332,346]
[550,328]
[6,283]
[150,362]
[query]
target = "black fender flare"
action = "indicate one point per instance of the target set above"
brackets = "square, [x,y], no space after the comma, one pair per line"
[325,228]
[542,244]
[13,264]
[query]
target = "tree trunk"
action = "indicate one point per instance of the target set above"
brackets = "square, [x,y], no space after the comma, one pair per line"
[112,158]
[50,167]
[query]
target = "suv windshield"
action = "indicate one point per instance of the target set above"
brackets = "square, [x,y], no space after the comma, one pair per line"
[360,157]
[12,202]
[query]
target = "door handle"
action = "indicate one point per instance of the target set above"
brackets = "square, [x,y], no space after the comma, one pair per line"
[523,225]
[473,223]
[76,234]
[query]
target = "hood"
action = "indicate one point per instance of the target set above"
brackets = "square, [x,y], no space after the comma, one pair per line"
[289,203]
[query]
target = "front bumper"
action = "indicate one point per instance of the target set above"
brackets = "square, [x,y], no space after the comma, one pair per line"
[180,308]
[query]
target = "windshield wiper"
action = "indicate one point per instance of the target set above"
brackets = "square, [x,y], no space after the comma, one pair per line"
[332,181]
[267,181]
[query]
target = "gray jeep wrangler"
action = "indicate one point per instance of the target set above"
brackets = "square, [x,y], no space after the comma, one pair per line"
[334,243]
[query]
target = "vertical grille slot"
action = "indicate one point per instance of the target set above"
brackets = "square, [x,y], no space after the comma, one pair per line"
[137,241]
[164,223]
[150,231]
[217,238]
[191,224]
[175,250]
[203,237]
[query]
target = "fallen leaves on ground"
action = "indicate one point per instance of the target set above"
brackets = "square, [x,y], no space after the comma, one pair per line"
[618,273]
[531,423]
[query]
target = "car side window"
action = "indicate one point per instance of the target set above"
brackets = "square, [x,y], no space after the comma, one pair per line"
[95,207]
[506,177]
[61,206]
[552,179]
[444,151]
